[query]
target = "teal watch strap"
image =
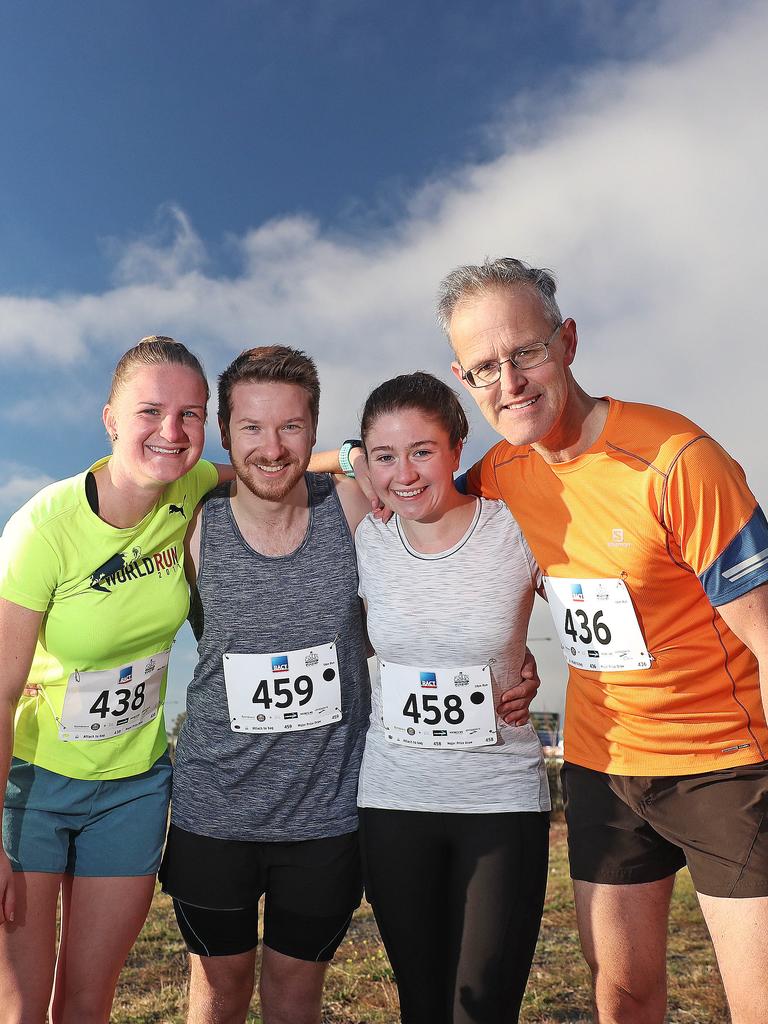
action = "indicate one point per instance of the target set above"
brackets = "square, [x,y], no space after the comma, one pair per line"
[346,448]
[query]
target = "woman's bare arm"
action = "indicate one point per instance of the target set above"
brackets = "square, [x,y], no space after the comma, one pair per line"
[19,628]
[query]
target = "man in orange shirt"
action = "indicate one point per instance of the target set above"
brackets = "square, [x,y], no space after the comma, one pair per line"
[655,555]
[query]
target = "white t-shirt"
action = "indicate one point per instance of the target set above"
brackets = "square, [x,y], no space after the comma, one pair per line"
[463,606]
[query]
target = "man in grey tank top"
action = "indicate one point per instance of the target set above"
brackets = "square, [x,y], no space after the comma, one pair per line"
[264,795]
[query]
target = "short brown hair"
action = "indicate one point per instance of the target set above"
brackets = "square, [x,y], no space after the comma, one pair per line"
[155,350]
[419,391]
[276,363]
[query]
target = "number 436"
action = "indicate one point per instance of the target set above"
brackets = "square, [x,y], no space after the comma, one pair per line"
[582,631]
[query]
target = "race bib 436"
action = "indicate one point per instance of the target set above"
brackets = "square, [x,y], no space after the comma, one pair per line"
[596,624]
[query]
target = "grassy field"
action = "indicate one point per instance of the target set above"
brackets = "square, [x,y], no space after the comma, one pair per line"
[360,989]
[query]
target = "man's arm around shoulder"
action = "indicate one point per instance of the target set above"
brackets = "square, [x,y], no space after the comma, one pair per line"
[354,503]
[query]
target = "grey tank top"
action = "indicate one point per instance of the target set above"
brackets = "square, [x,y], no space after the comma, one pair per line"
[280,786]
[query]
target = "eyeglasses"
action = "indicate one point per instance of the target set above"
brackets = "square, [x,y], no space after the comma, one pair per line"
[488,373]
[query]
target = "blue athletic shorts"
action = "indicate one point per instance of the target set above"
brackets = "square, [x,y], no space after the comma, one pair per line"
[107,829]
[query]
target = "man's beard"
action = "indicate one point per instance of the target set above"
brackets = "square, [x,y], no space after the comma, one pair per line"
[270,490]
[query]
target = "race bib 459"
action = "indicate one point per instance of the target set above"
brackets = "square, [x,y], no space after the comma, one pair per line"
[285,691]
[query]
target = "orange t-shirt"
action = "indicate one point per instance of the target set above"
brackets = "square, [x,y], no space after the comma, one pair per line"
[656,503]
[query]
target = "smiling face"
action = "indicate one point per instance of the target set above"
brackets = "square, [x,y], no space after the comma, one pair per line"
[412,462]
[269,436]
[524,406]
[158,416]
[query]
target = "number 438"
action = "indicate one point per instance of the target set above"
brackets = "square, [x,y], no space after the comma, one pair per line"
[125,699]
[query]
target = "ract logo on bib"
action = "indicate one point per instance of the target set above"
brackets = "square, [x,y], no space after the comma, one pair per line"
[577,594]
[126,675]
[428,680]
[280,663]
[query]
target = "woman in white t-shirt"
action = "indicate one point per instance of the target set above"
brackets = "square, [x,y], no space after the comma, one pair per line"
[453,801]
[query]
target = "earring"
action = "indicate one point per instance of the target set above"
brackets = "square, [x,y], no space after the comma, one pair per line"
[114,437]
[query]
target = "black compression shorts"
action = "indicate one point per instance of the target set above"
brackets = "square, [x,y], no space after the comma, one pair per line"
[312,888]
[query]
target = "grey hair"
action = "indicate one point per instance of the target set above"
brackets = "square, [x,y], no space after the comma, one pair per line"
[505,272]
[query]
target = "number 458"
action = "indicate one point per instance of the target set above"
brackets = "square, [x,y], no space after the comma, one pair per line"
[431,713]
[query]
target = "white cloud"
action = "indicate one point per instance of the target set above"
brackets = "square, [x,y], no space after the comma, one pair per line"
[18,484]
[642,187]
[65,409]
[169,253]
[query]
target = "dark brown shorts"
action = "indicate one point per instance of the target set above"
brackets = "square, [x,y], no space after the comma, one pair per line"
[623,830]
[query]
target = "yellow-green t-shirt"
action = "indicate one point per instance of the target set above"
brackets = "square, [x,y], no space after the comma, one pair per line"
[111,598]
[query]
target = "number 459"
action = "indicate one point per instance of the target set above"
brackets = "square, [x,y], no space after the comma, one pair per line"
[602,633]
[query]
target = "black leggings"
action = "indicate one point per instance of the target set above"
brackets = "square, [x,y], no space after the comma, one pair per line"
[458,900]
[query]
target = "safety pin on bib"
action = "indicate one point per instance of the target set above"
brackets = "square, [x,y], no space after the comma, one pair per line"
[51,708]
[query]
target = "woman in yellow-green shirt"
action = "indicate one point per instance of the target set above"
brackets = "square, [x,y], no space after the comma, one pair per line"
[92,592]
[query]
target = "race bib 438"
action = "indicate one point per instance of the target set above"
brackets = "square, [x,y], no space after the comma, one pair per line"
[100,705]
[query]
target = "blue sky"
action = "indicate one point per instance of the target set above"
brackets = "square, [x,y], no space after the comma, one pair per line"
[240,111]
[252,171]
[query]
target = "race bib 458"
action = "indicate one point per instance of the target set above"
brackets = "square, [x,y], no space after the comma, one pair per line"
[440,708]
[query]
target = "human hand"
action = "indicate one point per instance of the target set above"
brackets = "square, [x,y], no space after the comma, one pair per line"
[515,702]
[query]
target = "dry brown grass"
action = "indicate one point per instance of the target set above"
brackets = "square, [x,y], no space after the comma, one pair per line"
[360,988]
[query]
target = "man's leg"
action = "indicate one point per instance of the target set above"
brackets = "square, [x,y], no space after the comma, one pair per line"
[313,888]
[623,932]
[623,872]
[222,955]
[291,990]
[220,988]
[739,928]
